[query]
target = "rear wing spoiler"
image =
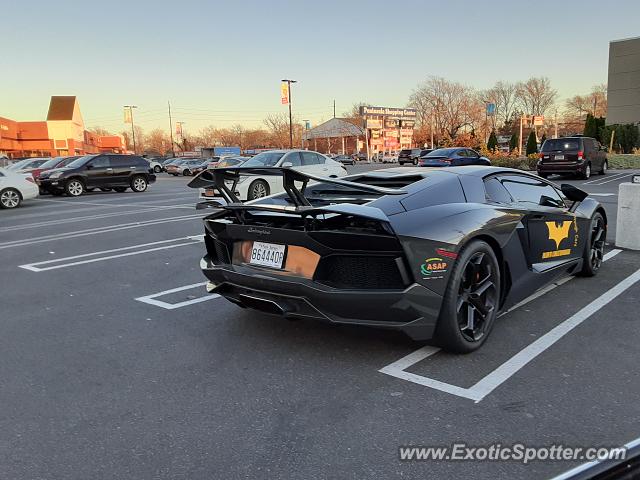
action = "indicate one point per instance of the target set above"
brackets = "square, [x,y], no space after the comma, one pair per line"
[218,177]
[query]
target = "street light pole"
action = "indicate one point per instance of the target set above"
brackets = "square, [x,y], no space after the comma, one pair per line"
[289,82]
[133,131]
[306,130]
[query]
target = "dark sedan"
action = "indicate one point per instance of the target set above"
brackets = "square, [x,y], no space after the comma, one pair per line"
[453,157]
[345,160]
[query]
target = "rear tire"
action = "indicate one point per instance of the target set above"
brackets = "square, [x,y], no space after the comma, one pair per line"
[415,162]
[186,172]
[605,166]
[74,187]
[139,184]
[10,198]
[157,169]
[587,172]
[258,189]
[593,255]
[471,300]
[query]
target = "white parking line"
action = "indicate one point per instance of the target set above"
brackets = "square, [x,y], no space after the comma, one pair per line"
[35,267]
[494,379]
[612,179]
[77,219]
[609,177]
[94,231]
[151,299]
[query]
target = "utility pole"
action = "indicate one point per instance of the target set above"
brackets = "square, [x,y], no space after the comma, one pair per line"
[173,152]
[306,124]
[133,131]
[520,138]
[289,82]
[334,109]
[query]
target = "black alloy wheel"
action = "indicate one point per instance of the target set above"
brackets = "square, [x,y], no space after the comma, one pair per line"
[594,250]
[471,301]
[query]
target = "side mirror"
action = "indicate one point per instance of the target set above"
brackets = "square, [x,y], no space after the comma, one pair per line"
[89,167]
[287,164]
[573,193]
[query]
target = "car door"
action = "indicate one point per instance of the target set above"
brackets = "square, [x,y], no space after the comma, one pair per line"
[472,157]
[98,172]
[122,167]
[312,163]
[554,236]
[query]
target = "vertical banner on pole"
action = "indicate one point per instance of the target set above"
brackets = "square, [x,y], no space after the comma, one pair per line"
[284,93]
[127,115]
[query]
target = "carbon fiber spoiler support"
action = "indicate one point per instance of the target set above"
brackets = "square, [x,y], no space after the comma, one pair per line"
[217,178]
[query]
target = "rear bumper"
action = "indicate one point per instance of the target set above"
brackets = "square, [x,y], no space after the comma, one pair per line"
[413,310]
[561,167]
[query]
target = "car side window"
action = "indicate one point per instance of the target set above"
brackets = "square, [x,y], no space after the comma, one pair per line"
[293,158]
[529,191]
[321,159]
[461,153]
[472,154]
[120,160]
[100,162]
[495,192]
[309,158]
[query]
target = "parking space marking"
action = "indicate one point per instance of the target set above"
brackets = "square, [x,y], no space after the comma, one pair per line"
[95,231]
[602,194]
[509,368]
[76,219]
[151,299]
[600,179]
[620,177]
[36,267]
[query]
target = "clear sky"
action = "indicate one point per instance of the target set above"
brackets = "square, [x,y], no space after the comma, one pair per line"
[220,62]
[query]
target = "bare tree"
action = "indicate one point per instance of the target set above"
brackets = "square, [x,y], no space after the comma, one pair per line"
[449,107]
[535,96]
[278,128]
[102,132]
[595,103]
[158,141]
[503,95]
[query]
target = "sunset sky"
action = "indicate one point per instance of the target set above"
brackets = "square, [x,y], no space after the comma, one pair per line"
[220,63]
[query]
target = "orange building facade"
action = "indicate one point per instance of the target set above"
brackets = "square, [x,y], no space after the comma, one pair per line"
[63,133]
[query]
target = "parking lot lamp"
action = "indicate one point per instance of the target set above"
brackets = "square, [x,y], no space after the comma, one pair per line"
[289,82]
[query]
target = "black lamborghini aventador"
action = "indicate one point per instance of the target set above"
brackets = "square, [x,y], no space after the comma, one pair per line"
[436,253]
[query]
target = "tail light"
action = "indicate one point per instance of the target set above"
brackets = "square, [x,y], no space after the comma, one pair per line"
[580,155]
[541,155]
[447,161]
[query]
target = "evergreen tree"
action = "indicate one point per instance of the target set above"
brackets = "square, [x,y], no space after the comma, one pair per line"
[513,143]
[590,126]
[492,143]
[532,145]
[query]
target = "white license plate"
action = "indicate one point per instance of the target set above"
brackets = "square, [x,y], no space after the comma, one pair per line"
[559,157]
[267,254]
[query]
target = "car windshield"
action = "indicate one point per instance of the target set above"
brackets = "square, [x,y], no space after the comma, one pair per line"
[78,162]
[561,145]
[18,165]
[51,163]
[264,159]
[441,152]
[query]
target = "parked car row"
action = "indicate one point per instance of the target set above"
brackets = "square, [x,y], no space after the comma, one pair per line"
[251,187]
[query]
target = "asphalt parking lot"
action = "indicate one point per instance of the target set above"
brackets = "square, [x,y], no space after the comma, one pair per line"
[115,363]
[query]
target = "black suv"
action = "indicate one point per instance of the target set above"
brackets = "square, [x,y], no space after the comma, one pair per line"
[104,171]
[580,156]
[411,155]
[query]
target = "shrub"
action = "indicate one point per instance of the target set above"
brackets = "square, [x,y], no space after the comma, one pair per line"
[532,144]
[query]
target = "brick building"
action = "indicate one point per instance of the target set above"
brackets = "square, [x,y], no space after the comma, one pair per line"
[62,133]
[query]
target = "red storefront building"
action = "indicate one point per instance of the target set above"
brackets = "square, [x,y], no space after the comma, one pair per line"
[63,133]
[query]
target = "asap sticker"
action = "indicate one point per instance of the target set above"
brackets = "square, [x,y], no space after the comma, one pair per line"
[433,268]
